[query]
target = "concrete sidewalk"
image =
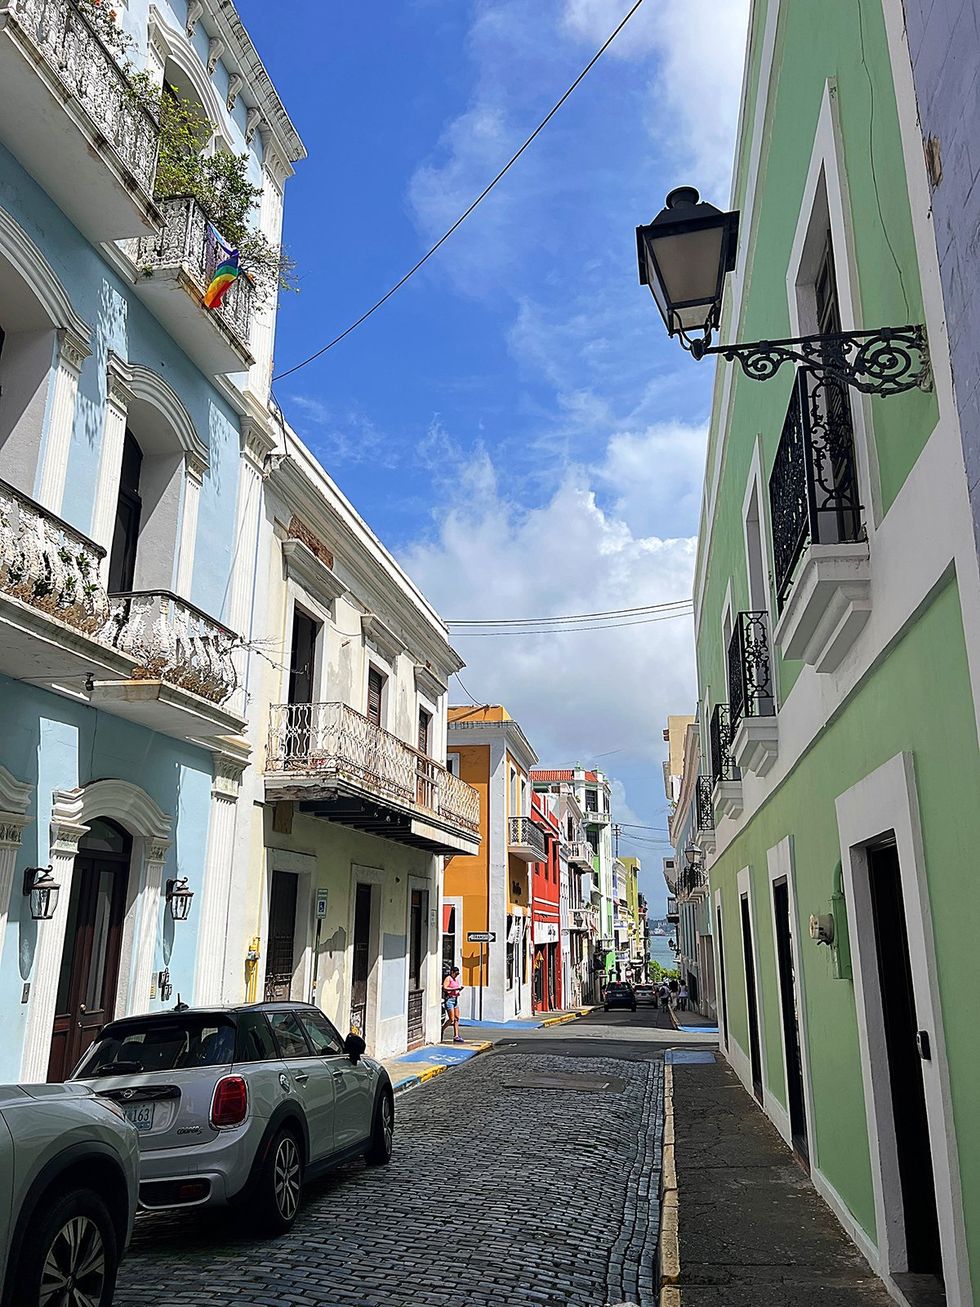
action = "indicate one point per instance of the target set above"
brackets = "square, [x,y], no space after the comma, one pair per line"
[537,1022]
[692,1022]
[742,1226]
[422,1064]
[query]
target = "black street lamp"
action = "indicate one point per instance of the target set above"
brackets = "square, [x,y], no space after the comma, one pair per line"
[42,889]
[684,256]
[179,898]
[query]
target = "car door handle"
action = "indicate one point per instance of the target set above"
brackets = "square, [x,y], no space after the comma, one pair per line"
[301,1076]
[338,1075]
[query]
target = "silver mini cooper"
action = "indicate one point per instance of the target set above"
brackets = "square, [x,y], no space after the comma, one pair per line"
[241,1105]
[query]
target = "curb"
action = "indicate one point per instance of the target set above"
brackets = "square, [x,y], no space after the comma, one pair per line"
[430,1072]
[560,1021]
[668,1242]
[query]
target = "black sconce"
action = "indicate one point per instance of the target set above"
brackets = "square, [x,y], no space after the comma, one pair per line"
[684,255]
[42,889]
[179,898]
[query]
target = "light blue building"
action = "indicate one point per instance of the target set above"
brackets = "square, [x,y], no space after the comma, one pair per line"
[135,433]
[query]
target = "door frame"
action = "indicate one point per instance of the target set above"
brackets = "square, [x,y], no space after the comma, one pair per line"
[886,801]
[303,866]
[745,890]
[782,866]
[375,877]
[429,984]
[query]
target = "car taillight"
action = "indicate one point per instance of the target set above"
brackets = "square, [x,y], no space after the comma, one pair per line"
[230,1102]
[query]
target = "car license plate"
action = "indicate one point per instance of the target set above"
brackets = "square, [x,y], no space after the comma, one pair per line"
[141,1115]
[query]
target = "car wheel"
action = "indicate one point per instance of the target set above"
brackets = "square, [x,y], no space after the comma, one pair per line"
[70,1255]
[280,1186]
[383,1131]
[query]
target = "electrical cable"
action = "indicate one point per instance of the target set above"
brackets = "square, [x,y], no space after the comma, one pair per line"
[572,630]
[462,218]
[570,617]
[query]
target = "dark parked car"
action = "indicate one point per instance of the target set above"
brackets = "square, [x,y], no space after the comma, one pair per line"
[619,993]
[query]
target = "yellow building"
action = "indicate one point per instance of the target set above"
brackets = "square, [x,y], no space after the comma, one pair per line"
[490,891]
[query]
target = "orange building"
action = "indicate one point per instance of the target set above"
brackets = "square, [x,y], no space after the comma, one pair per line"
[490,891]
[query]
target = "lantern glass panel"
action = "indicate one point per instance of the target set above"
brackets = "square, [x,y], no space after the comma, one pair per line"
[685,271]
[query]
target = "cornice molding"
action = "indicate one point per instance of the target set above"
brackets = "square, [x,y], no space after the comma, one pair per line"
[380,634]
[303,567]
[427,683]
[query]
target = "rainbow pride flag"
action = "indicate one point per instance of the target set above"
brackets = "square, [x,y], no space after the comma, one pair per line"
[227,272]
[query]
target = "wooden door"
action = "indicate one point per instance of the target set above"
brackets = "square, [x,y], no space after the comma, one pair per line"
[93,939]
[376,685]
[416,967]
[280,963]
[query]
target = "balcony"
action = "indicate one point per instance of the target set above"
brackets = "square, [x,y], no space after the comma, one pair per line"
[580,855]
[151,658]
[672,914]
[174,268]
[177,656]
[704,813]
[70,116]
[820,550]
[751,703]
[595,818]
[725,775]
[340,766]
[525,839]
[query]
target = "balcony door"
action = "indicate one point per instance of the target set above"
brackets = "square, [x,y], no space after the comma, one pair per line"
[129,512]
[302,666]
[93,939]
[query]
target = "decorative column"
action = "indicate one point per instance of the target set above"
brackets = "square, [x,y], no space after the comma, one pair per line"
[118,399]
[73,350]
[151,888]
[65,834]
[14,799]
[275,170]
[194,469]
[258,441]
[212,930]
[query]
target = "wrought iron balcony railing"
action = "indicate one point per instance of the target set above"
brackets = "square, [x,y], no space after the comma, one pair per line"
[333,740]
[171,640]
[189,241]
[813,486]
[750,689]
[523,833]
[694,878]
[87,68]
[723,766]
[704,810]
[49,565]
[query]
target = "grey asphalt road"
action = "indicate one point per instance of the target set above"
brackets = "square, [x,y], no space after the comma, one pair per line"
[528,1176]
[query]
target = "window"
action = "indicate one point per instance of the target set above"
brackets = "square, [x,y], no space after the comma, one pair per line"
[255,1041]
[523,809]
[513,792]
[375,695]
[322,1035]
[591,801]
[289,1034]
[160,1044]
[452,763]
[302,660]
[425,724]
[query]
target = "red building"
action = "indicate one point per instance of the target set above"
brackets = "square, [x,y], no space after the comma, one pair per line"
[546,910]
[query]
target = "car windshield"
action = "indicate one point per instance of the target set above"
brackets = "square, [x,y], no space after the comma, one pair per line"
[169,1043]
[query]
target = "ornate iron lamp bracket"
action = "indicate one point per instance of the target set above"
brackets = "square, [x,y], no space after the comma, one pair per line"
[884,362]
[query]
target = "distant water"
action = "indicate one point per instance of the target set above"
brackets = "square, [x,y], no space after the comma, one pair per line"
[659,952]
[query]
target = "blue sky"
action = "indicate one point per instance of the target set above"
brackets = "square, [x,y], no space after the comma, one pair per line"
[514,423]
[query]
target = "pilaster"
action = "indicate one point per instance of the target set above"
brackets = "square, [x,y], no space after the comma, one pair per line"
[14,799]
[118,399]
[72,353]
[194,470]
[149,923]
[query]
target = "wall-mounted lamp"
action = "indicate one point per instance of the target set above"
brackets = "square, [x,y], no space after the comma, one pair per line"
[163,981]
[179,898]
[42,889]
[684,255]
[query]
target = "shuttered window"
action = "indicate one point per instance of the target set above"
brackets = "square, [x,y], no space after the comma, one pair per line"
[376,685]
[424,721]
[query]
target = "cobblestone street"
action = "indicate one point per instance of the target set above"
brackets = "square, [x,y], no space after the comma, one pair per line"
[503,1189]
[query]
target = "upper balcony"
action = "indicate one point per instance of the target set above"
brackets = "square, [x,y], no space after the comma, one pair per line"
[525,839]
[704,813]
[71,117]
[751,698]
[152,658]
[596,818]
[174,268]
[580,855]
[821,561]
[340,766]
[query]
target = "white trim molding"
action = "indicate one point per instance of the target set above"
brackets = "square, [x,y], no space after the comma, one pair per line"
[15,798]
[886,801]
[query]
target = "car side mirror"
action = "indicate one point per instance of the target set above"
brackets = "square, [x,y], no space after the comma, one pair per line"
[354,1047]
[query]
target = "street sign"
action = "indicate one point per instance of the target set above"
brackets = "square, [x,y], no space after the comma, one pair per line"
[321,904]
[481,937]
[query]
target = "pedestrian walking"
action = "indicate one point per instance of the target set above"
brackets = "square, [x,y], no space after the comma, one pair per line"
[451,987]
[673,987]
[682,997]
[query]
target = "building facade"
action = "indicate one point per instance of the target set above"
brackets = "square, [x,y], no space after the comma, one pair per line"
[546,903]
[489,891]
[837,562]
[133,428]
[692,835]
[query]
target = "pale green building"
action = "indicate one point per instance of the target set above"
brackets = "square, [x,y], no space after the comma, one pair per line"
[837,605]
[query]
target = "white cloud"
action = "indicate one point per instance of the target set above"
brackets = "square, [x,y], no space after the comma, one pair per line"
[655,475]
[698,53]
[342,439]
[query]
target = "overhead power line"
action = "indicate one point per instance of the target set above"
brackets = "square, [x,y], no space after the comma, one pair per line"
[569,617]
[570,630]
[463,216]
